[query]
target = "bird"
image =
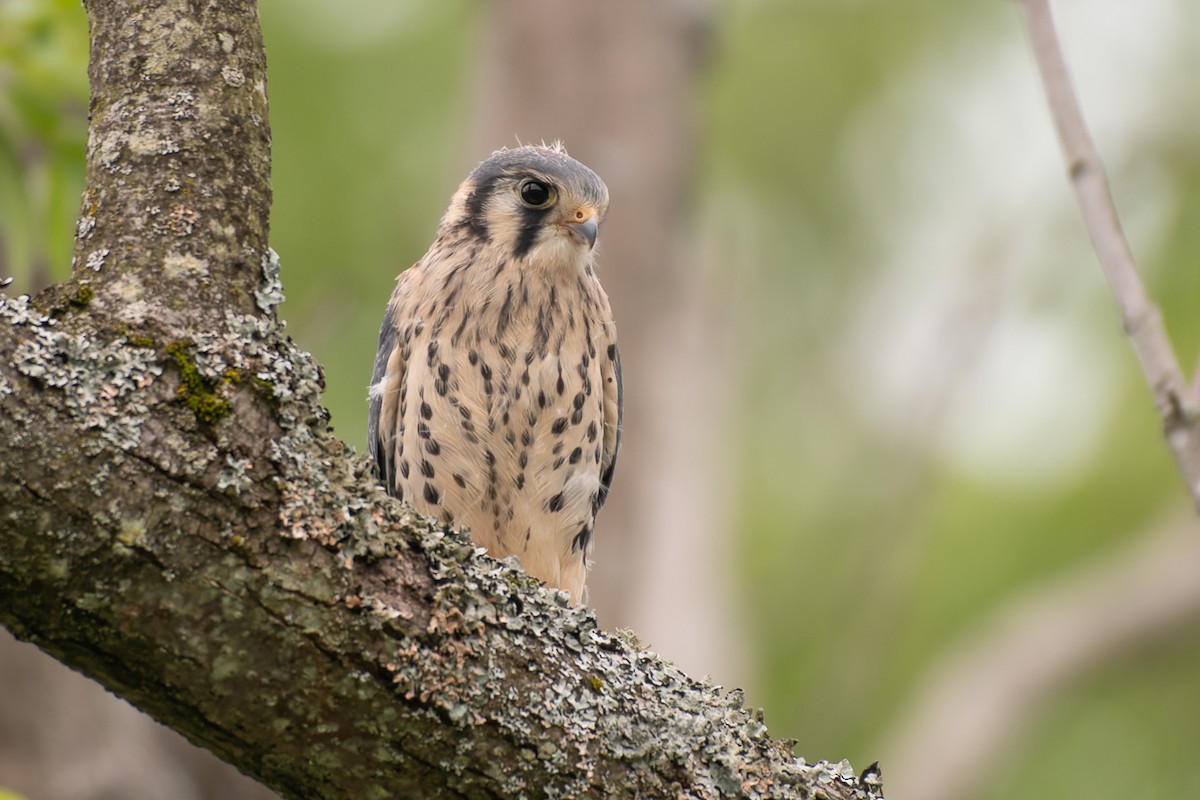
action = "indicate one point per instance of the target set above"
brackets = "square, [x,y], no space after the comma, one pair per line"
[496,400]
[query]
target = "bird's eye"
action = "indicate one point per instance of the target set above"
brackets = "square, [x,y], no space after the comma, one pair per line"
[537,194]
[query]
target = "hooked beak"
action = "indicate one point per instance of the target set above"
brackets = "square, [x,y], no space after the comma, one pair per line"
[584,232]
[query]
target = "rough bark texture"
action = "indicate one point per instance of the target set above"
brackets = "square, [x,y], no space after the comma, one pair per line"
[180,524]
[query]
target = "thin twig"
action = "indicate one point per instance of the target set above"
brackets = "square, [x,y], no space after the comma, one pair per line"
[1177,402]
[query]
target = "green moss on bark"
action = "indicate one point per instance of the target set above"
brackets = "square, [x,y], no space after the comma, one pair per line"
[196,391]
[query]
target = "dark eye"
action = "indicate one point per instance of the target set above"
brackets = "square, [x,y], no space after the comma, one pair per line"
[537,194]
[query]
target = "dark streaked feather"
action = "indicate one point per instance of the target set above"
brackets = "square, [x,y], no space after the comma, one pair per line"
[378,442]
[610,459]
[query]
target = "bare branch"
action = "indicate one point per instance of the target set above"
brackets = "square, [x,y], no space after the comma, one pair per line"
[1177,402]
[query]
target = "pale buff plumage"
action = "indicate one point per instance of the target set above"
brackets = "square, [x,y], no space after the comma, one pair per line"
[496,398]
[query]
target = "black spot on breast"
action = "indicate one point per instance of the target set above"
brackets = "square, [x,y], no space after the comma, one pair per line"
[404,467]
[541,399]
[432,495]
[426,468]
[423,430]
[556,502]
[520,480]
[473,357]
[612,352]
[541,339]
[526,438]
[523,459]
[462,326]
[432,447]
[577,402]
[431,355]
[485,371]
[577,416]
[505,309]
[427,410]
[460,480]
[592,431]
[576,455]
[559,426]
[558,462]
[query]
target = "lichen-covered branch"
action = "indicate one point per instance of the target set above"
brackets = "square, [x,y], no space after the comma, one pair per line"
[181,525]
[1178,402]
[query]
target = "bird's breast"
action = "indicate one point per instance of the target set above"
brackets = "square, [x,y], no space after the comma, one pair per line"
[503,417]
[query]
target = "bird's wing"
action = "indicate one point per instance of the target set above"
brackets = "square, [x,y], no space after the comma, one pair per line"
[384,403]
[614,417]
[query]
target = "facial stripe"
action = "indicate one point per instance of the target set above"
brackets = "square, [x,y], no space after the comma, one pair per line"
[532,221]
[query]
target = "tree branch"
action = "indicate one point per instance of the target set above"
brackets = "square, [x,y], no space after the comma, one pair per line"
[182,526]
[1178,403]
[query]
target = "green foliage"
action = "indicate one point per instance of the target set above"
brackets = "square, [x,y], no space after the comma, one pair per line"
[43,127]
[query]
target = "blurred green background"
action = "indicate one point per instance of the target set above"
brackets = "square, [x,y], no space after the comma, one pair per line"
[955,540]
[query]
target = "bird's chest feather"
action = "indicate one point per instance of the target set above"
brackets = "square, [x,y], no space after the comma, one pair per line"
[503,411]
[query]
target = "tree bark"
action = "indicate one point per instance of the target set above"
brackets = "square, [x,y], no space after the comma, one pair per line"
[181,525]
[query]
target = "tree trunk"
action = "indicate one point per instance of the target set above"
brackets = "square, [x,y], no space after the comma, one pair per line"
[182,526]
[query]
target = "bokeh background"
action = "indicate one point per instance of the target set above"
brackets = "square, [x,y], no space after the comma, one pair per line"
[889,463]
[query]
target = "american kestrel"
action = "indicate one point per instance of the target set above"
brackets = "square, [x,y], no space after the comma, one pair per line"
[496,398]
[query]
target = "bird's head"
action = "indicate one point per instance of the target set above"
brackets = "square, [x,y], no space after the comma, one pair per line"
[535,204]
